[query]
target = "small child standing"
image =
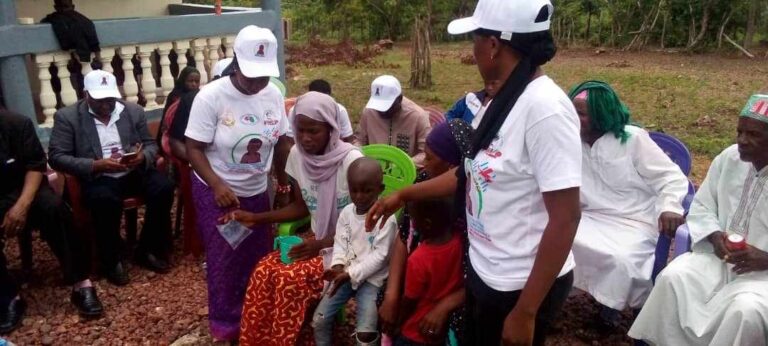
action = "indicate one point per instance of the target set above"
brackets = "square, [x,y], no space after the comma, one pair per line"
[433,272]
[359,265]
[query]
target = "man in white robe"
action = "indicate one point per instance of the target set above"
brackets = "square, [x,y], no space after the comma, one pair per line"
[717,296]
[631,190]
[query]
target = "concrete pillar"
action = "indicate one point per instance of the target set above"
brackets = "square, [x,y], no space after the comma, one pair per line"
[277,28]
[17,92]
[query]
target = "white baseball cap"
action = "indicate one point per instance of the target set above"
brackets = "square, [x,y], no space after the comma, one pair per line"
[256,52]
[384,91]
[222,64]
[101,85]
[506,16]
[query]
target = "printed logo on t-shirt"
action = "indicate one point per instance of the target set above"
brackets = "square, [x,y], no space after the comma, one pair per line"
[249,119]
[480,176]
[494,149]
[270,119]
[249,154]
[310,198]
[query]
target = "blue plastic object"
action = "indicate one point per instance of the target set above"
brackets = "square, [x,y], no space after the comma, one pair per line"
[675,149]
[678,152]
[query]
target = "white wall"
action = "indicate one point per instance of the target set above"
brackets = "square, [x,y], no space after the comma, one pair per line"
[98,9]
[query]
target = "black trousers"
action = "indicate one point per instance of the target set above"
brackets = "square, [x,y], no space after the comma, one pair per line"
[488,308]
[54,220]
[104,198]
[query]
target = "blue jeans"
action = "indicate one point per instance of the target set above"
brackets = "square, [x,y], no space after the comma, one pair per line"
[367,312]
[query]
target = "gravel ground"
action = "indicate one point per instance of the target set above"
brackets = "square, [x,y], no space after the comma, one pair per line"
[166,309]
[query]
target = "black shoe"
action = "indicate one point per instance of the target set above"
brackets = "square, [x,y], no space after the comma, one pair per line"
[153,263]
[11,316]
[87,302]
[118,276]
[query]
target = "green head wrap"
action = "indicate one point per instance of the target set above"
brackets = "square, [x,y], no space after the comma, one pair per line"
[606,111]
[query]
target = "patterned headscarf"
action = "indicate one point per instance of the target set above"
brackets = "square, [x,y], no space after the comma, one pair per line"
[756,108]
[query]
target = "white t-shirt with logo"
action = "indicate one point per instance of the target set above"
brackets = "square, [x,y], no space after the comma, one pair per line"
[309,189]
[242,131]
[342,119]
[538,149]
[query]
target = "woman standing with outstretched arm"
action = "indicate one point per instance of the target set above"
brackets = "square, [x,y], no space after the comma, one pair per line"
[521,180]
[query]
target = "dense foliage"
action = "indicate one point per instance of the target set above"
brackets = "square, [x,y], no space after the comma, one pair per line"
[689,24]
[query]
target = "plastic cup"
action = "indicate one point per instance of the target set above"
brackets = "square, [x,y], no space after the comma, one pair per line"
[285,244]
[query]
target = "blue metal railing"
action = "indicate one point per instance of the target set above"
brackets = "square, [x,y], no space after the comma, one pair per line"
[19,41]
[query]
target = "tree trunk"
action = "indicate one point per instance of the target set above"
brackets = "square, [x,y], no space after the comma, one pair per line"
[664,30]
[589,24]
[421,62]
[600,29]
[751,19]
[746,52]
[721,32]
[704,24]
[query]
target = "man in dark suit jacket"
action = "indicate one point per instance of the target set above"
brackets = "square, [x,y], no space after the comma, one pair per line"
[105,143]
[26,203]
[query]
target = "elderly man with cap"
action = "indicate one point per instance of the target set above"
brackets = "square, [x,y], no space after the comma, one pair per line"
[391,118]
[718,294]
[27,201]
[105,143]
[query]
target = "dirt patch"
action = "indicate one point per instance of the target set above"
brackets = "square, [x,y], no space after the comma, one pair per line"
[321,53]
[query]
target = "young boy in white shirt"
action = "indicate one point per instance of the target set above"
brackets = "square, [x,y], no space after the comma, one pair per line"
[359,266]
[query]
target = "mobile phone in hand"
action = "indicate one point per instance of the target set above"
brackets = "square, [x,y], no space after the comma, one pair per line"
[132,155]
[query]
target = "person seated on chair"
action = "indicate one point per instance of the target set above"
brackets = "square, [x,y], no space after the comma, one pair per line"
[718,294]
[188,82]
[278,295]
[391,118]
[27,202]
[81,143]
[359,263]
[630,192]
[345,125]
[472,106]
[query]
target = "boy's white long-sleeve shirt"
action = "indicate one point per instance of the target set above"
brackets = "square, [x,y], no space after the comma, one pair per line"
[364,255]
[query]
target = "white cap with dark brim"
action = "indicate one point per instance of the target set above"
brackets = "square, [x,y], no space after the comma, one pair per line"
[101,85]
[256,52]
[505,16]
[384,91]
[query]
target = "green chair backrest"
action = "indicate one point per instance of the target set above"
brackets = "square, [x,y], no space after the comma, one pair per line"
[399,172]
[398,167]
[279,84]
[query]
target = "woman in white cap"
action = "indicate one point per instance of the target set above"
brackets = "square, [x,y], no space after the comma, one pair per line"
[521,180]
[228,118]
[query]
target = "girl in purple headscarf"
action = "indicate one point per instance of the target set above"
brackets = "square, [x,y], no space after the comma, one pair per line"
[279,295]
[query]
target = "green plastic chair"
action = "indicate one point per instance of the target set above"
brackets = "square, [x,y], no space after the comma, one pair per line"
[399,172]
[279,84]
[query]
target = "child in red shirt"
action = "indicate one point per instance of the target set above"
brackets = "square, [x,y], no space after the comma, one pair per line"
[433,272]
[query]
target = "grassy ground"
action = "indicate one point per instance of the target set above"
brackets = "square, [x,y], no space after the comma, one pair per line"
[695,98]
